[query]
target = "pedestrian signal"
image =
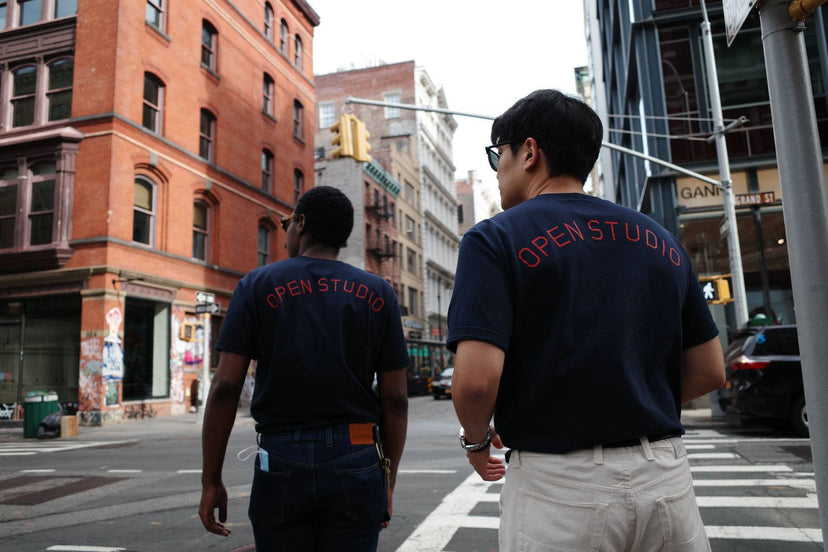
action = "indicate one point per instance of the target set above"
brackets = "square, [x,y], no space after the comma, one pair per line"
[716,289]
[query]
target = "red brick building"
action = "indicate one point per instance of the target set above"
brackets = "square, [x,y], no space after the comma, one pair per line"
[147,152]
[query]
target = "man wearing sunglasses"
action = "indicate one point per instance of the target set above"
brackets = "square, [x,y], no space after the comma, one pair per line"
[328,446]
[581,326]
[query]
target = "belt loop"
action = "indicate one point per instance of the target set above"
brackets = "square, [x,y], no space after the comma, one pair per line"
[328,437]
[514,459]
[648,450]
[297,434]
[678,446]
[598,453]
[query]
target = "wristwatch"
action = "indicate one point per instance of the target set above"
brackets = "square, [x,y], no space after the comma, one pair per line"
[475,447]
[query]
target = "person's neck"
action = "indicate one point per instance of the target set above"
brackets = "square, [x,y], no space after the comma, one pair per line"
[561,184]
[319,251]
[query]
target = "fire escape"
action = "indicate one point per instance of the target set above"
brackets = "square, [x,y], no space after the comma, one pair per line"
[380,244]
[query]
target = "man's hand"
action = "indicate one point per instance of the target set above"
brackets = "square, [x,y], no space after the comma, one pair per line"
[212,497]
[490,468]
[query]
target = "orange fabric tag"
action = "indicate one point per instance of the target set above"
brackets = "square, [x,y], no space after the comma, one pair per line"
[361,434]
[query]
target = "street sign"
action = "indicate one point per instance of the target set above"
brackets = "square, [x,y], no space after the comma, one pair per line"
[212,308]
[735,13]
[755,198]
[205,297]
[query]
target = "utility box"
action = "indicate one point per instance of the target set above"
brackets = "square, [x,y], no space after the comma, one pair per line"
[36,406]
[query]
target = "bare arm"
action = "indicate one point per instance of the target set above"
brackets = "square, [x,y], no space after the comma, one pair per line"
[219,416]
[393,392]
[474,384]
[702,370]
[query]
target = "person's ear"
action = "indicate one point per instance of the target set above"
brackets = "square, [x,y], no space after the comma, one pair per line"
[300,224]
[531,155]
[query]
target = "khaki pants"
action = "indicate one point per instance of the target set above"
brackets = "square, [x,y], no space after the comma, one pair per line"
[608,499]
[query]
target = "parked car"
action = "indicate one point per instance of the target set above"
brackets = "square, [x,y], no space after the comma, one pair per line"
[764,377]
[441,385]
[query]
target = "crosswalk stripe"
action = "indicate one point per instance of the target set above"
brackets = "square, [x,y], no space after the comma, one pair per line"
[757,501]
[808,484]
[771,468]
[712,456]
[789,534]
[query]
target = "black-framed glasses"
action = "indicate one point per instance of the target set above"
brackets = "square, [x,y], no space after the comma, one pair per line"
[493,155]
[285,221]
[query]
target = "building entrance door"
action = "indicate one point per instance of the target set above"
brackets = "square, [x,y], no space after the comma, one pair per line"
[11,365]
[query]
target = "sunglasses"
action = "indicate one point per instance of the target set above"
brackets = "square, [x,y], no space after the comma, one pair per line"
[494,156]
[285,221]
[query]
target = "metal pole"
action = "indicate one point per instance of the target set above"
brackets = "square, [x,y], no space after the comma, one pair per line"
[734,250]
[805,207]
[205,368]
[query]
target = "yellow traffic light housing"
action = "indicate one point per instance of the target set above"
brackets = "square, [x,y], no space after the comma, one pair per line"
[343,136]
[361,145]
[716,289]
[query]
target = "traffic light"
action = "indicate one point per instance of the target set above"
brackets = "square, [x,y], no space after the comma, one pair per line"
[716,289]
[361,145]
[343,136]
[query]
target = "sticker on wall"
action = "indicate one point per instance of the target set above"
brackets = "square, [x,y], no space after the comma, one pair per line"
[113,354]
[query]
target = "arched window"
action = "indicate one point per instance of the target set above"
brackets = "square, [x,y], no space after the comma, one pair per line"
[24,88]
[298,116]
[267,170]
[59,95]
[283,37]
[209,43]
[267,94]
[201,234]
[206,135]
[298,184]
[143,211]
[263,246]
[153,102]
[268,21]
[297,52]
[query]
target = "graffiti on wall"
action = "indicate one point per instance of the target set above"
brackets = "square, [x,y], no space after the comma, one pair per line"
[187,352]
[90,383]
[113,353]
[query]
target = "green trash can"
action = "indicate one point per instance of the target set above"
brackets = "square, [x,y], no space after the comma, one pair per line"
[36,406]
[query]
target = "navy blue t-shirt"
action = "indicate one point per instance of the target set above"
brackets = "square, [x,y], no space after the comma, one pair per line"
[320,330]
[593,304]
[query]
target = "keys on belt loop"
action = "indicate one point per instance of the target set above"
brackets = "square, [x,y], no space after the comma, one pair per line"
[385,463]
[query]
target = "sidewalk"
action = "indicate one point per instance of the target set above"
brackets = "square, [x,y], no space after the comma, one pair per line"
[142,429]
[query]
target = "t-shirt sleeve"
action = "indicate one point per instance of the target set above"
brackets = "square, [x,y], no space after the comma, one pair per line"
[393,354]
[697,324]
[238,329]
[481,303]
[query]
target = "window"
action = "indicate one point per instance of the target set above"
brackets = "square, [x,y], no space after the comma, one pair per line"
[413,302]
[153,98]
[206,133]
[392,112]
[143,211]
[65,8]
[268,21]
[267,94]
[298,184]
[59,95]
[2,15]
[267,170]
[297,52]
[209,37]
[409,193]
[28,12]
[326,115]
[155,14]
[283,37]
[8,206]
[23,96]
[409,228]
[42,204]
[264,245]
[298,114]
[412,261]
[200,234]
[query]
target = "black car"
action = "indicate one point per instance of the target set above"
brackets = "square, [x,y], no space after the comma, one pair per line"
[441,385]
[764,377]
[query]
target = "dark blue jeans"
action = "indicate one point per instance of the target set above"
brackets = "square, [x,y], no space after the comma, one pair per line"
[319,493]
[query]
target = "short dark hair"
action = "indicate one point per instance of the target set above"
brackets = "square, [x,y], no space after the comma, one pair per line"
[567,130]
[329,215]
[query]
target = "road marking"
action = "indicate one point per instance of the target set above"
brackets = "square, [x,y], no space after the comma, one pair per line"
[17,453]
[188,471]
[409,472]
[124,471]
[27,449]
[712,456]
[699,447]
[38,471]
[789,534]
[73,548]
[807,484]
[770,468]
[756,501]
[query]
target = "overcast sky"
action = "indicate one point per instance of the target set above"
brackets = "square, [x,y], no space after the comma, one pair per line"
[486,54]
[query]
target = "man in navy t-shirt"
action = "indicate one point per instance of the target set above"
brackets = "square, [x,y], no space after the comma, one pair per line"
[320,330]
[581,326]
